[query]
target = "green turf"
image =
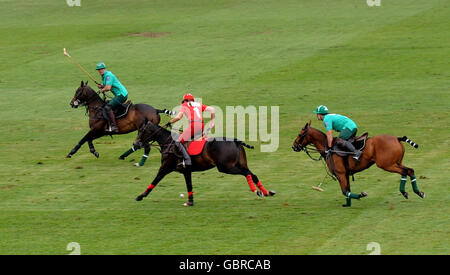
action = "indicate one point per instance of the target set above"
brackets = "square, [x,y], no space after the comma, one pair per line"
[386,67]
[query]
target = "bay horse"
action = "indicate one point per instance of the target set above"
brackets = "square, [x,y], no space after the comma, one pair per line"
[98,124]
[385,151]
[228,155]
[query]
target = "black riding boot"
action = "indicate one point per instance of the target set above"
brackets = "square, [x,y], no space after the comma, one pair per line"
[186,157]
[112,120]
[349,146]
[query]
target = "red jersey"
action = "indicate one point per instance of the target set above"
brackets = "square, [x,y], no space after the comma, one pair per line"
[193,111]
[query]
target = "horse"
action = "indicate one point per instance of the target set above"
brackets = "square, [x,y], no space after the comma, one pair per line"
[228,155]
[134,119]
[385,151]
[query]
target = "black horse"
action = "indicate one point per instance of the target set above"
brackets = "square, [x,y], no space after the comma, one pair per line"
[228,155]
[136,117]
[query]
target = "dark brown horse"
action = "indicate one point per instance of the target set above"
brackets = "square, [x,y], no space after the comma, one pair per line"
[98,124]
[383,150]
[228,155]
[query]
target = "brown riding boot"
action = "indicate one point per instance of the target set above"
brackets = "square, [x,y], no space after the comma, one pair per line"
[112,121]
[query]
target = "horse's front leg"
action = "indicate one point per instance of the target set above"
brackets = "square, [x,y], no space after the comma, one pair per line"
[188,178]
[144,156]
[163,171]
[87,137]
[92,148]
[344,181]
[343,177]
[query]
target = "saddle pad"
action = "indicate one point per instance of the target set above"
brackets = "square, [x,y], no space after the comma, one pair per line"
[122,110]
[196,146]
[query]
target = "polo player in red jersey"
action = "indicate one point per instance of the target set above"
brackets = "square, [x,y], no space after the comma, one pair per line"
[193,111]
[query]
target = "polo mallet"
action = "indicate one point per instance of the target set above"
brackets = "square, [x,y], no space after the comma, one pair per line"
[79,66]
[317,188]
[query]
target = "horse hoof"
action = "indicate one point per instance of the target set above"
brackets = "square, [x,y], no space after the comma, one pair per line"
[68,156]
[139,198]
[421,194]
[345,205]
[259,193]
[136,164]
[189,203]
[121,158]
[272,193]
[96,154]
[362,195]
[405,194]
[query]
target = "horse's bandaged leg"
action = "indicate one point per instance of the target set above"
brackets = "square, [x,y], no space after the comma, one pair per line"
[261,187]
[414,184]
[402,184]
[127,153]
[353,196]
[251,184]
[142,162]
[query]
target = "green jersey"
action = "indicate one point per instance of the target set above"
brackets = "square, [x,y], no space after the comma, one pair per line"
[338,123]
[108,78]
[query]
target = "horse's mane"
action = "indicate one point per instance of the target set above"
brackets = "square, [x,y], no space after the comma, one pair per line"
[162,134]
[92,92]
[322,134]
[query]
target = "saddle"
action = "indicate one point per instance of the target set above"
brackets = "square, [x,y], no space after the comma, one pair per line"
[122,110]
[359,142]
[195,147]
[119,111]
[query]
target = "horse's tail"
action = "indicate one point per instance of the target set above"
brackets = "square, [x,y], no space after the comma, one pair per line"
[406,139]
[241,143]
[165,111]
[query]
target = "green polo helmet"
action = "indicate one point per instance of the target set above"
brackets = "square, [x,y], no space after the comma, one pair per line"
[100,66]
[322,110]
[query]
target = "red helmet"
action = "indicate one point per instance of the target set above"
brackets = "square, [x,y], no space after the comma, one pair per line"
[188,97]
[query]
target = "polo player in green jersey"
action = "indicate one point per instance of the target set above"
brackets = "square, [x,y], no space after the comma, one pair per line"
[111,83]
[346,127]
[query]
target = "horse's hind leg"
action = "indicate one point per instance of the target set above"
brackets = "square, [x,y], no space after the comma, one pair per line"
[405,172]
[261,187]
[410,173]
[242,171]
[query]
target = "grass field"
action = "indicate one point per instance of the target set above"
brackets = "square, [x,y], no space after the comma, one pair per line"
[386,67]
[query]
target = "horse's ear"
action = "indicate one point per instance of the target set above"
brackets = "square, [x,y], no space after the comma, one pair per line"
[306,126]
[86,82]
[82,83]
[309,124]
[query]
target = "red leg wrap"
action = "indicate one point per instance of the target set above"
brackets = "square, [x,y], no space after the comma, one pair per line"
[261,187]
[251,184]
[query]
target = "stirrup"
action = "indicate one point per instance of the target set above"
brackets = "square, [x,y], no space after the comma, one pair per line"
[357,155]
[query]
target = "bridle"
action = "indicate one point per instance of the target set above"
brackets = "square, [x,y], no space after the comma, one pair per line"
[308,148]
[85,101]
[147,139]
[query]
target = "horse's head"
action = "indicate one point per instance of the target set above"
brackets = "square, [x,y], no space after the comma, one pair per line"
[146,133]
[82,95]
[302,139]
